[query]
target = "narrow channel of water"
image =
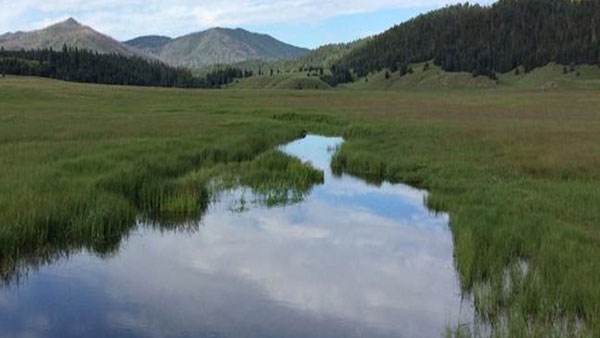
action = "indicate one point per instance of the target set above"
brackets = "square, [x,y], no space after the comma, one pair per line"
[350,260]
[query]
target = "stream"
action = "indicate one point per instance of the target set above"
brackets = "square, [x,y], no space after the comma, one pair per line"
[350,260]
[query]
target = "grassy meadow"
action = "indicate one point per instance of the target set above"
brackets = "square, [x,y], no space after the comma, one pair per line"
[516,168]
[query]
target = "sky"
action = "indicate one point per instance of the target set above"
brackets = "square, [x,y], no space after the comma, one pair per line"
[306,23]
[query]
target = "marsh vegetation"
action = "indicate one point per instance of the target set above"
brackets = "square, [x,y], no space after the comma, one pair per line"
[515,169]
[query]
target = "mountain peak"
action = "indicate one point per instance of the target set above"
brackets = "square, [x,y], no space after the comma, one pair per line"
[69,32]
[71,22]
[214,29]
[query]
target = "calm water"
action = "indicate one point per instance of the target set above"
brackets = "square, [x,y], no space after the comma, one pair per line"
[351,260]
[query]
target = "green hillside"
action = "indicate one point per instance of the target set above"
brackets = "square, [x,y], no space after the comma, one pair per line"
[432,78]
[551,76]
[281,81]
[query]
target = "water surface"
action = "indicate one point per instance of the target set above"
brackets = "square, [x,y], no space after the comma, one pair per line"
[350,260]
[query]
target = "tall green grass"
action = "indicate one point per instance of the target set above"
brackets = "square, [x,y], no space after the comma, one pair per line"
[81,165]
[501,219]
[162,191]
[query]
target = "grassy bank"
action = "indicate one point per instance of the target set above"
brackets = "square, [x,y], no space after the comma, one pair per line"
[81,163]
[516,169]
[285,81]
[427,76]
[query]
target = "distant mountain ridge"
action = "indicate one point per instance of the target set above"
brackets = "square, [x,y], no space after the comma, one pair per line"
[216,46]
[69,32]
[209,47]
[150,43]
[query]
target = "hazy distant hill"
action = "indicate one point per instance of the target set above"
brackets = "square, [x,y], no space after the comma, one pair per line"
[69,32]
[225,46]
[150,43]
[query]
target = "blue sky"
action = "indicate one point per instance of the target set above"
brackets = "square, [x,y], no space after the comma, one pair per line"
[344,28]
[307,23]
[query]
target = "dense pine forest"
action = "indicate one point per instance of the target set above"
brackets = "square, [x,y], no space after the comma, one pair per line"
[77,65]
[484,40]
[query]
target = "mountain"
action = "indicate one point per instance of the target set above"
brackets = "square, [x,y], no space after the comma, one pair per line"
[485,40]
[225,46]
[69,32]
[150,44]
[210,47]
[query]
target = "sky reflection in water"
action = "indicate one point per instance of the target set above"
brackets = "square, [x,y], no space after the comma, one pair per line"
[351,260]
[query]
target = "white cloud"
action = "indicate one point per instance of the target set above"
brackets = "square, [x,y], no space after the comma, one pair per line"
[126,18]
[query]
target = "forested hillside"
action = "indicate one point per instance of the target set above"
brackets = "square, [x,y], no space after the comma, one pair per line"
[72,64]
[485,40]
[326,56]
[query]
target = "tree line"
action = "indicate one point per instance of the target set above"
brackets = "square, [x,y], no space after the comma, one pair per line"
[81,65]
[485,40]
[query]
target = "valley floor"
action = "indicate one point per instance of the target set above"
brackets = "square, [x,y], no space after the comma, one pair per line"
[517,169]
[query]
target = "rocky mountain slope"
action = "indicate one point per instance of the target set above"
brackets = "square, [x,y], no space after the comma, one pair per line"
[69,32]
